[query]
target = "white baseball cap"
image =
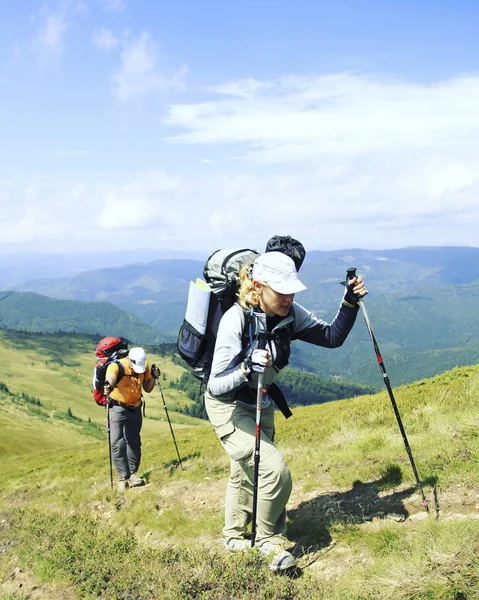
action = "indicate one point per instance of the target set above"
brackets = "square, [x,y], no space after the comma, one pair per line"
[138,359]
[278,271]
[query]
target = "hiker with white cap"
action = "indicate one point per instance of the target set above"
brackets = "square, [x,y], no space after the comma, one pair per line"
[254,338]
[124,391]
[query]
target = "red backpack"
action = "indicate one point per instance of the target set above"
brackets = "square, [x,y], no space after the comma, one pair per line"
[108,350]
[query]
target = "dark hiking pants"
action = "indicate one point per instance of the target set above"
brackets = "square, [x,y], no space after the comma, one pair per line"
[125,427]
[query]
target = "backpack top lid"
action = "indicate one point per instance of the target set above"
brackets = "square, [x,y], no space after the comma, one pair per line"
[111,347]
[289,246]
[221,270]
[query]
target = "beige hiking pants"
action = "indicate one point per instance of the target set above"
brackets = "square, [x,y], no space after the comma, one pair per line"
[235,425]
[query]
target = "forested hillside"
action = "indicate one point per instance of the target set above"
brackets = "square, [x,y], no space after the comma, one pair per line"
[420,334]
[299,387]
[26,311]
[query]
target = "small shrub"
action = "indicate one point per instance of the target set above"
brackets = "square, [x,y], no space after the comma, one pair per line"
[391,477]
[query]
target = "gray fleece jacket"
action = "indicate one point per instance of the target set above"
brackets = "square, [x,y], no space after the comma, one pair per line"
[227,380]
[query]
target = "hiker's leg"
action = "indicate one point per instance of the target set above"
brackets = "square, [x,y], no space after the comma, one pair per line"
[238,502]
[239,487]
[235,425]
[118,443]
[133,438]
[274,483]
[239,491]
[274,490]
[267,425]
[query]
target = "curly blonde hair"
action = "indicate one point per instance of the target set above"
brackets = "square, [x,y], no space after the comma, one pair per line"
[248,297]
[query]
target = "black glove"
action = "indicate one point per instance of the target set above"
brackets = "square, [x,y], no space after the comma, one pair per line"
[349,296]
[155,371]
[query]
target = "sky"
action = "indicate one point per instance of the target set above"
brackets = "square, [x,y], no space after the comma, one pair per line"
[201,124]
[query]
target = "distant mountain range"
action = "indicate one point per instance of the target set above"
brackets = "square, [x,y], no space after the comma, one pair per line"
[422,303]
[17,268]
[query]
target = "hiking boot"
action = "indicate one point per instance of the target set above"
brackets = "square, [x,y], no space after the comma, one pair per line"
[122,485]
[135,481]
[235,545]
[280,559]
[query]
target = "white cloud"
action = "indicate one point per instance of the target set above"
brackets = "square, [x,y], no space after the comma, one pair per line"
[305,119]
[49,37]
[451,178]
[143,70]
[105,39]
[141,204]
[37,215]
[364,204]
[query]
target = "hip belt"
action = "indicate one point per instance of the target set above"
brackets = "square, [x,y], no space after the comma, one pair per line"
[123,405]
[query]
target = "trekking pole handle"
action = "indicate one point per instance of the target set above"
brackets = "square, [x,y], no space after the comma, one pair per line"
[351,274]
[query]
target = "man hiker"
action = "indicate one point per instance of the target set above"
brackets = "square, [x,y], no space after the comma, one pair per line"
[124,395]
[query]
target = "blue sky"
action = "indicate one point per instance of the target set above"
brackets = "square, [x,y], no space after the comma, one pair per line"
[169,124]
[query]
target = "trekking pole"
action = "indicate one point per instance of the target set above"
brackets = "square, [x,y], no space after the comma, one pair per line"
[351,275]
[259,401]
[109,439]
[169,422]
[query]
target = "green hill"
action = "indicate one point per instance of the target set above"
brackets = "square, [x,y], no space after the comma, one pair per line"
[355,519]
[47,375]
[26,311]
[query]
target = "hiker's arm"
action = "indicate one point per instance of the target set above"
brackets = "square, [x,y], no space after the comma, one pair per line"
[226,373]
[310,329]
[149,381]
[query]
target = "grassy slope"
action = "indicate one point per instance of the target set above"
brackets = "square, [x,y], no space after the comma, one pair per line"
[58,371]
[60,516]
[23,433]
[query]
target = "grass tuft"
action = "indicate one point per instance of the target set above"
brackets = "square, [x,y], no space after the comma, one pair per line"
[391,477]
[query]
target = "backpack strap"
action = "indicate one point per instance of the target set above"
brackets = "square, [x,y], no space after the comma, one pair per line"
[248,337]
[278,398]
[121,370]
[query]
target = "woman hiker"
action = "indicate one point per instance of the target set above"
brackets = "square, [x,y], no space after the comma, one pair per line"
[267,316]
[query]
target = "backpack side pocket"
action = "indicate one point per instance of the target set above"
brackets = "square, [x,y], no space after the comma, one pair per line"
[191,344]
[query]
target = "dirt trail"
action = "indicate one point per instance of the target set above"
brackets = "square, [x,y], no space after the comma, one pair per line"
[24,584]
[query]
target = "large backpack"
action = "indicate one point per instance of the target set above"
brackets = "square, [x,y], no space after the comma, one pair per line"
[108,350]
[221,274]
